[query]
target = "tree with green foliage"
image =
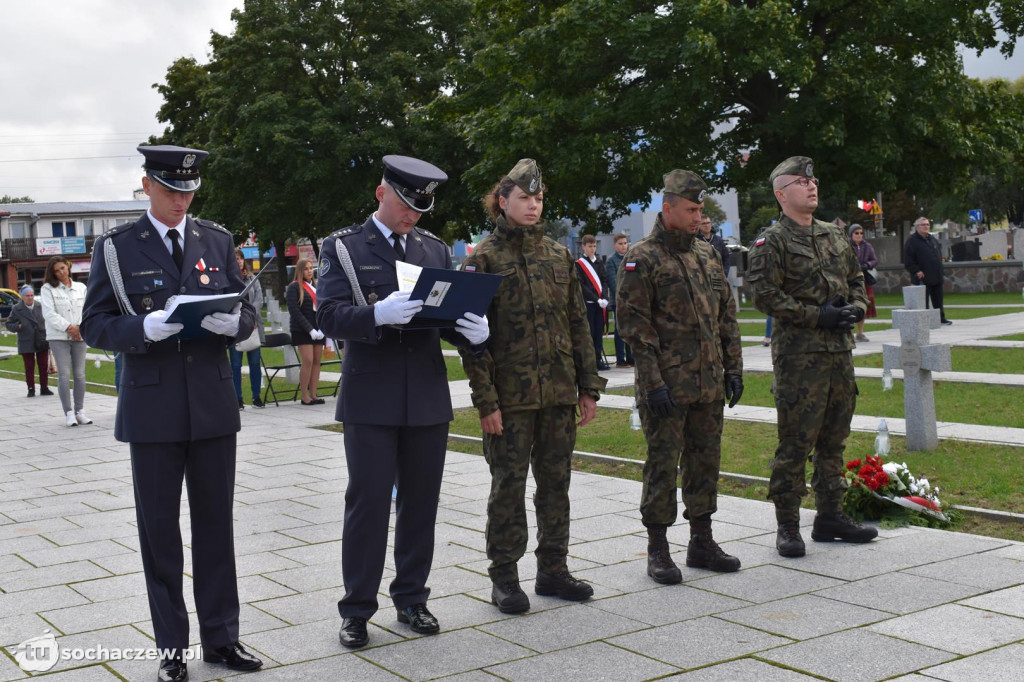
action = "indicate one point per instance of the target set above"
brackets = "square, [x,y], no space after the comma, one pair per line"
[607,95]
[8,199]
[298,105]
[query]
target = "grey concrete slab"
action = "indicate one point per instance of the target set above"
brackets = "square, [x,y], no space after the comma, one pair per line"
[596,662]
[668,604]
[898,593]
[856,656]
[764,583]
[563,627]
[1009,601]
[998,665]
[340,667]
[804,617]
[956,628]
[310,641]
[976,570]
[444,654]
[50,576]
[698,642]
[743,670]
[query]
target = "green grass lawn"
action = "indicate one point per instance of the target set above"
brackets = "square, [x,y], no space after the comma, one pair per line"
[1010,337]
[968,359]
[970,474]
[954,402]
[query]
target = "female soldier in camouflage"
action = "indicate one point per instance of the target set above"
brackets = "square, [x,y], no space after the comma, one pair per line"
[538,367]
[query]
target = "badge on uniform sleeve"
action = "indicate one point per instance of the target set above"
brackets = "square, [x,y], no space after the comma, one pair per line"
[760,240]
[469,268]
[325,266]
[630,267]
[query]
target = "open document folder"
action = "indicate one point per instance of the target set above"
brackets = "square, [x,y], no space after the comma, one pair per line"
[447,295]
[190,309]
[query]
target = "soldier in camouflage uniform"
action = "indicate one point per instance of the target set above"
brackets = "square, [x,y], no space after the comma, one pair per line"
[675,309]
[539,366]
[805,274]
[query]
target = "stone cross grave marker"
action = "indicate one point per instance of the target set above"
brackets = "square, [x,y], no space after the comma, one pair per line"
[918,358]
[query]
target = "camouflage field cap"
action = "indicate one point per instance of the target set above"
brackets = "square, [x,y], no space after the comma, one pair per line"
[685,184]
[794,165]
[526,176]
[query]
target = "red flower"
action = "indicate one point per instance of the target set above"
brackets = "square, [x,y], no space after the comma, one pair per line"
[853,464]
[878,480]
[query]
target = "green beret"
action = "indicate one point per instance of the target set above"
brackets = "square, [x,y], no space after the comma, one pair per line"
[526,176]
[685,184]
[794,165]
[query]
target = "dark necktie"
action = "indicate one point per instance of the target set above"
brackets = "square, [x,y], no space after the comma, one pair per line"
[176,253]
[399,251]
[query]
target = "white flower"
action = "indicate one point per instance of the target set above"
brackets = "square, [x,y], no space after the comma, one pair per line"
[891,468]
[914,489]
[925,485]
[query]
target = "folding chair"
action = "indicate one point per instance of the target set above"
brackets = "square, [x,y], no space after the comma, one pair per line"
[276,340]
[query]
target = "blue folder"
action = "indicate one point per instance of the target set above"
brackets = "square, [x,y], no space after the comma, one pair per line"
[447,295]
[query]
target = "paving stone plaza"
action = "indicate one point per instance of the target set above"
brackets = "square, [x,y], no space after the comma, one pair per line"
[916,604]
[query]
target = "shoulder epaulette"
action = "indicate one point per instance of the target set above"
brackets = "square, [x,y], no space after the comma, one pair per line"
[345,231]
[118,229]
[428,233]
[212,225]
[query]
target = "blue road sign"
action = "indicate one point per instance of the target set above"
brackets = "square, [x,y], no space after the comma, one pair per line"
[975,215]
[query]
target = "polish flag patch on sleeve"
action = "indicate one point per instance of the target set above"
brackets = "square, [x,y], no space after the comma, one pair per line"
[469,268]
[759,241]
[630,267]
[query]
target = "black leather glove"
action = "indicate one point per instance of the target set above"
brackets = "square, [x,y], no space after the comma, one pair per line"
[828,317]
[660,401]
[733,388]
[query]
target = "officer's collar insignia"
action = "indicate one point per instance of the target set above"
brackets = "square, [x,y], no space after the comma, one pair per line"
[144,234]
[195,232]
[809,170]
[419,239]
[700,197]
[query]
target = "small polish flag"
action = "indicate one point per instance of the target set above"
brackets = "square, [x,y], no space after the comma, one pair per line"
[630,267]
[759,241]
[470,268]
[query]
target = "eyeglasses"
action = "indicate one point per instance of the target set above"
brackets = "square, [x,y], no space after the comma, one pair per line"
[802,181]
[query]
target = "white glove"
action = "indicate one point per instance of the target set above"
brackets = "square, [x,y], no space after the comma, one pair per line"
[225,324]
[603,302]
[156,328]
[473,327]
[316,335]
[396,309]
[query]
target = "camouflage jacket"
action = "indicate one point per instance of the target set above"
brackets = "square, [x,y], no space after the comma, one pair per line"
[540,353]
[795,270]
[674,308]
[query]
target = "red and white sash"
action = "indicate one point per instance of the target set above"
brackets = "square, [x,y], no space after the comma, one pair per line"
[591,274]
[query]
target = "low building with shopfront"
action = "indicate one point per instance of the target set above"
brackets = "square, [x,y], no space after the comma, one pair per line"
[31,233]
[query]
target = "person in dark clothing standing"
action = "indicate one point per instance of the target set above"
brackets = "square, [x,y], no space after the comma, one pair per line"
[595,294]
[623,353]
[922,257]
[707,233]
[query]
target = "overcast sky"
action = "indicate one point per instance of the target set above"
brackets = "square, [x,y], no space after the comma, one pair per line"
[76,83]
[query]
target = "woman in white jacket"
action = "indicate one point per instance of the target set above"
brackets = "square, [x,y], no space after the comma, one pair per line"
[62,300]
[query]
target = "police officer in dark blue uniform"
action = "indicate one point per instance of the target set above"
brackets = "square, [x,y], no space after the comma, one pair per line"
[394,398]
[176,405]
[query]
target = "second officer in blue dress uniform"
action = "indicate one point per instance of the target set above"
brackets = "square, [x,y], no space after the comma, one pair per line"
[176,405]
[394,398]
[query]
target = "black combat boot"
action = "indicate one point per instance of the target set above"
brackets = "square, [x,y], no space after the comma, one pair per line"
[562,585]
[788,540]
[704,552]
[659,562]
[835,525]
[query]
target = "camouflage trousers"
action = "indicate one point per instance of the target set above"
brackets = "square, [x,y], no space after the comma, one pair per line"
[815,395]
[544,439]
[690,442]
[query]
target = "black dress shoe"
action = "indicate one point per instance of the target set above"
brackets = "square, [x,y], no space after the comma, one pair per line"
[353,632]
[419,619]
[233,656]
[32,392]
[46,391]
[172,670]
